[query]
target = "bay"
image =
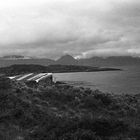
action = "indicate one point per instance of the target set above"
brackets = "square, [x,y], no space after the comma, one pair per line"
[126,81]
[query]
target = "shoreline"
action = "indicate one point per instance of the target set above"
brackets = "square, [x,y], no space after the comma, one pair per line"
[98,70]
[20,69]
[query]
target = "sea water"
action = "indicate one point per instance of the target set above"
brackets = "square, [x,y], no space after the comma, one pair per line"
[126,81]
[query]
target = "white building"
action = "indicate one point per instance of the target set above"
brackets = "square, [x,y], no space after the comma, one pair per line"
[40,78]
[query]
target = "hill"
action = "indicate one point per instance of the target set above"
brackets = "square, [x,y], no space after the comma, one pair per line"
[67,60]
[100,61]
[63,112]
[110,61]
[20,69]
[4,62]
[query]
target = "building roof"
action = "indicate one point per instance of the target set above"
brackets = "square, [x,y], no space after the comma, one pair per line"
[31,77]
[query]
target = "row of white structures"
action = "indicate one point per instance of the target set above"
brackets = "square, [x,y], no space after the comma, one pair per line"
[46,78]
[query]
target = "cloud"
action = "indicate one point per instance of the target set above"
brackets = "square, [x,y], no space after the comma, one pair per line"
[83,28]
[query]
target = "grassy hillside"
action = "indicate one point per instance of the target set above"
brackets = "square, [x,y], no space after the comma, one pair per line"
[18,69]
[63,112]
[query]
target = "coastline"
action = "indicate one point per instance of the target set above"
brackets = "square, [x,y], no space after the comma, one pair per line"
[20,69]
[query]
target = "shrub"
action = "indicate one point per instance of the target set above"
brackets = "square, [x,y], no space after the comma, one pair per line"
[5,83]
[90,102]
[80,134]
[105,98]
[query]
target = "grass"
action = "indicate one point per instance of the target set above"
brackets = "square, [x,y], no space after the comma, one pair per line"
[63,112]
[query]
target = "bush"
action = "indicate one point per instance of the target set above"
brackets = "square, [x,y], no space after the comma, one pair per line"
[80,134]
[90,102]
[105,98]
[5,83]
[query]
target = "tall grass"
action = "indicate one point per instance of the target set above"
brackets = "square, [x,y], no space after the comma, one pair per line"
[63,112]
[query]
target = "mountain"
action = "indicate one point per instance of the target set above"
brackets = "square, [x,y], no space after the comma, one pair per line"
[17,59]
[14,57]
[110,61]
[100,61]
[67,60]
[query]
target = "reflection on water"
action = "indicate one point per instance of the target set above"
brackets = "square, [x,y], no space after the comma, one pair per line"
[126,81]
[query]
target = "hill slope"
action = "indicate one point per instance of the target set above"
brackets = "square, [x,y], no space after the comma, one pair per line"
[20,69]
[110,61]
[63,112]
[7,62]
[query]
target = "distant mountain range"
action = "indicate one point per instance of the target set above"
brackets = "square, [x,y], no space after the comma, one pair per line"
[14,57]
[69,60]
[111,61]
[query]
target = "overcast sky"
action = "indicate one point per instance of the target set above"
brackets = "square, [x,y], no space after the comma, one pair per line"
[82,28]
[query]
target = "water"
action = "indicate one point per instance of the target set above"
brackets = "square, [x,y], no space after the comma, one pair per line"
[118,82]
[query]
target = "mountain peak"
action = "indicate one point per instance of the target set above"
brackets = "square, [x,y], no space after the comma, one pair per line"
[67,56]
[66,60]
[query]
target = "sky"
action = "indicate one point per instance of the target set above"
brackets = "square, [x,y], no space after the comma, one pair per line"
[82,28]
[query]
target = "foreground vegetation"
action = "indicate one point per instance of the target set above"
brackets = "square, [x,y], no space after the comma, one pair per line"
[63,112]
